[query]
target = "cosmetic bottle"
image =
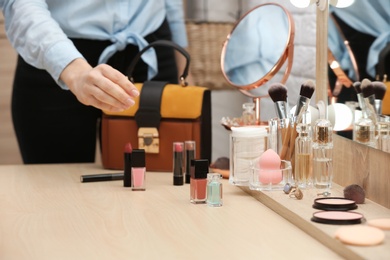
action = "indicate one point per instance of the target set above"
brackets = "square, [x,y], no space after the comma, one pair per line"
[198,182]
[364,130]
[190,151]
[383,131]
[303,157]
[248,115]
[138,170]
[214,190]
[178,163]
[322,154]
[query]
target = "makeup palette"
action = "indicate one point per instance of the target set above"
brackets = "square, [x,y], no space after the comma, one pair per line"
[334,204]
[337,217]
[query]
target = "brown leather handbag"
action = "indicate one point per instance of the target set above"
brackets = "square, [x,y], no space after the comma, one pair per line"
[163,113]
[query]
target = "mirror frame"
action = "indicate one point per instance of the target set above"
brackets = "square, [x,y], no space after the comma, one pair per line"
[288,53]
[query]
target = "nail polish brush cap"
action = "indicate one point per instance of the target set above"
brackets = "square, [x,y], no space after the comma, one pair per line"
[138,158]
[201,169]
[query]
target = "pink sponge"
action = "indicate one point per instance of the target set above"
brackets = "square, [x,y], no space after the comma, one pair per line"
[269,167]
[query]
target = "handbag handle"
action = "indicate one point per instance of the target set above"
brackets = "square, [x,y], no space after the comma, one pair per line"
[164,43]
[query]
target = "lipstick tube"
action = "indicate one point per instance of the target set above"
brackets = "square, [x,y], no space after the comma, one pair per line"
[190,147]
[178,163]
[127,165]
[138,170]
[198,182]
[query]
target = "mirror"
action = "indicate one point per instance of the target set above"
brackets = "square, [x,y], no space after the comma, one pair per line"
[257,48]
[340,56]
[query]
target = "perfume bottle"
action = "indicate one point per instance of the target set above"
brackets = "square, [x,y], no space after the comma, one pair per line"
[322,154]
[214,190]
[198,182]
[303,157]
[364,130]
[248,115]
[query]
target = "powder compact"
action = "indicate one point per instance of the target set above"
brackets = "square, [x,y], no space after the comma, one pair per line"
[337,217]
[334,204]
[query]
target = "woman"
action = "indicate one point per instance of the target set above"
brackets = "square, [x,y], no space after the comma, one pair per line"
[84,47]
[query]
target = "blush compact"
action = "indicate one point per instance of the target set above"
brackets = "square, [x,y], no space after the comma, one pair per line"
[337,217]
[334,204]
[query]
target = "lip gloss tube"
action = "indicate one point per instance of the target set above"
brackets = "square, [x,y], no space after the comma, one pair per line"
[189,155]
[178,163]
[138,170]
[198,182]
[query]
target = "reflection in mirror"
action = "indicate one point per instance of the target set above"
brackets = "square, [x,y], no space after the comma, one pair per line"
[257,48]
[339,58]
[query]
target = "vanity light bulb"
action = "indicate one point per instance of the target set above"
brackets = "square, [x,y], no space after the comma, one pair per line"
[341,3]
[340,115]
[301,3]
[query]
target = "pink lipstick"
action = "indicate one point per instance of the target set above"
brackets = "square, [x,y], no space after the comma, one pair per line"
[178,163]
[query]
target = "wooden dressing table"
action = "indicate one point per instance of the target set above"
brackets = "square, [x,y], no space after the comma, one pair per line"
[47,213]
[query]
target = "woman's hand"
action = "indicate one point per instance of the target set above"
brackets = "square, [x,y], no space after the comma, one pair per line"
[102,87]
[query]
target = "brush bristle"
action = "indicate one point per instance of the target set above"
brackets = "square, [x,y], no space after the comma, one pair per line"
[367,88]
[278,92]
[357,85]
[379,89]
[307,89]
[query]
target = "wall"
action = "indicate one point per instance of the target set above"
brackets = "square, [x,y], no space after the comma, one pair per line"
[9,152]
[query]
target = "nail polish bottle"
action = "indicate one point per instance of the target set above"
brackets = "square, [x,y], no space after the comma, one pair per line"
[190,148]
[178,163]
[198,182]
[214,190]
[138,170]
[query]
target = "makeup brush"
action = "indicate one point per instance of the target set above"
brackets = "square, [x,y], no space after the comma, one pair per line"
[305,94]
[357,86]
[278,94]
[379,91]
[367,88]
[369,99]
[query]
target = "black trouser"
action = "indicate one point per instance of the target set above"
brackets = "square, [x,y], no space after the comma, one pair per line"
[51,125]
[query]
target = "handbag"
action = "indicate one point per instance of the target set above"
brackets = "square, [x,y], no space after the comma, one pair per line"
[163,113]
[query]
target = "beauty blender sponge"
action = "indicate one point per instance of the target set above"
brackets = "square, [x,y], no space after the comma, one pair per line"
[269,167]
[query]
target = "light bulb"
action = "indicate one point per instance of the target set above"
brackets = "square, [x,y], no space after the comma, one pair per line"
[321,3]
[340,115]
[301,3]
[341,3]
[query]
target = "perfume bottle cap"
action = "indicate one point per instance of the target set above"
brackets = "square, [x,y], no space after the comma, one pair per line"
[201,168]
[214,176]
[303,129]
[323,130]
[138,158]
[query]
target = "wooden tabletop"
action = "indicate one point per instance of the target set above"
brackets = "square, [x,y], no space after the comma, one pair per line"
[46,213]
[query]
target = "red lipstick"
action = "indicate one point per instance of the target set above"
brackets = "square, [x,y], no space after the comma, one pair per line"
[127,165]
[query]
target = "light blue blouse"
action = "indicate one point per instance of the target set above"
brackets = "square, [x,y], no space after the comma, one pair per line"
[371,17]
[39,29]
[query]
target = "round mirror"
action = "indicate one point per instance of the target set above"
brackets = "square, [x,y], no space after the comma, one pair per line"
[257,48]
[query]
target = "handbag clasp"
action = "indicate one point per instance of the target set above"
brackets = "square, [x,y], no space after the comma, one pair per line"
[148,139]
